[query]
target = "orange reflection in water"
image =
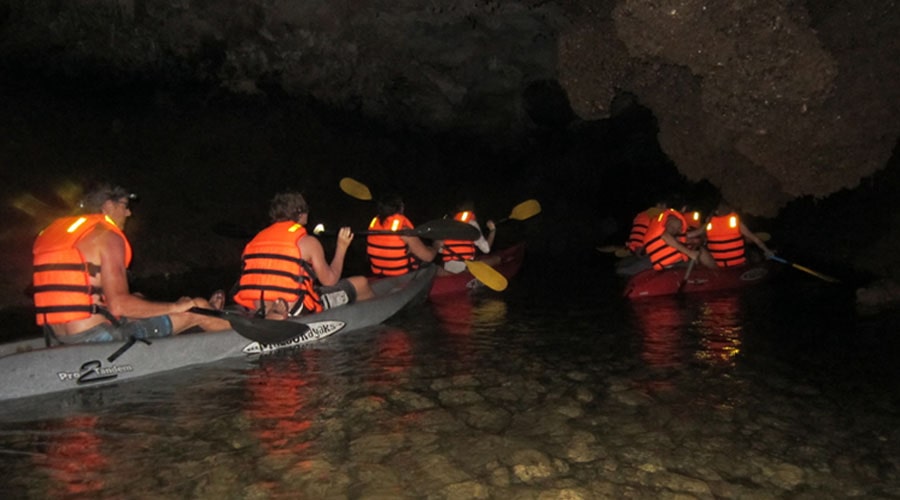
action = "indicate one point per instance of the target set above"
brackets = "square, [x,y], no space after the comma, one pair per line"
[75,460]
[455,313]
[278,404]
[395,351]
[661,321]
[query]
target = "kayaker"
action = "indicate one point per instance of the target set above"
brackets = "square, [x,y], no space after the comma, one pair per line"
[394,255]
[665,244]
[284,272]
[639,225]
[80,283]
[455,252]
[725,236]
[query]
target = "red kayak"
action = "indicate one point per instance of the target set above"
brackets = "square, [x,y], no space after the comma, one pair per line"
[652,283]
[447,283]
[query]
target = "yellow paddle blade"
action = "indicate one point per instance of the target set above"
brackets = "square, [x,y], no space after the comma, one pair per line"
[355,189]
[525,210]
[763,236]
[487,275]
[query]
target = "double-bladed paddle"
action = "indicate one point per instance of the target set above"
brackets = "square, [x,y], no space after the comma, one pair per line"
[265,331]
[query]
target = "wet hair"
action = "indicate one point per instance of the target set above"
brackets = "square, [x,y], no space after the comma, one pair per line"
[389,205]
[99,194]
[287,206]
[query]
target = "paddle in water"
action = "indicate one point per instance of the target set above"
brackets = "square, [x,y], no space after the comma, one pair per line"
[264,331]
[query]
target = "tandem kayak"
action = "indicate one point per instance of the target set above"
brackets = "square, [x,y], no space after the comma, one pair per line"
[446,283]
[652,283]
[30,369]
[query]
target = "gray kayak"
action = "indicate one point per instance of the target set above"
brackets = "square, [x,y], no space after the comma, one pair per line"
[30,369]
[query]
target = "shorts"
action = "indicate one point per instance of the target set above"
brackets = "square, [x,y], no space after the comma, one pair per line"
[147,328]
[340,294]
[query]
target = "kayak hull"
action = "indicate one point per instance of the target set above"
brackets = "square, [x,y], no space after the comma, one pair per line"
[445,283]
[652,283]
[31,369]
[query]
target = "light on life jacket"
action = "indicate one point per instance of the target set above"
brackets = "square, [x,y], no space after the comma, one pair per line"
[732,223]
[75,225]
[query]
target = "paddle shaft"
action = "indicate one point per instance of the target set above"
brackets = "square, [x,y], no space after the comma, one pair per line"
[267,331]
[807,270]
[687,275]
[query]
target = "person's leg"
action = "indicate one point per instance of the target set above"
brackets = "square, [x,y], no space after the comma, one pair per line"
[361,285]
[186,320]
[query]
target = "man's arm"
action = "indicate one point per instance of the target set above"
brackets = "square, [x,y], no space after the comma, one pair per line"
[677,245]
[422,251]
[750,235]
[312,251]
[114,281]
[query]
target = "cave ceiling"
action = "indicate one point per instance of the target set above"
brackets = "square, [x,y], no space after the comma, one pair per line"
[768,100]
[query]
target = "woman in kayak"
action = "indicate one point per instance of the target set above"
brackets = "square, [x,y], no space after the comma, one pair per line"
[395,255]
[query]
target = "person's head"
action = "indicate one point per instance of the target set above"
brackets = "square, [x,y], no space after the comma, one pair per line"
[466,205]
[724,207]
[676,201]
[288,206]
[389,205]
[673,224]
[109,200]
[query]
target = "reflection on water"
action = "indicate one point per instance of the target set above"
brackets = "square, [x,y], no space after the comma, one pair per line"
[73,459]
[718,323]
[513,395]
[278,406]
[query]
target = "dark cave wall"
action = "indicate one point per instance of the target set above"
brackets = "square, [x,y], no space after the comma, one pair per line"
[769,100]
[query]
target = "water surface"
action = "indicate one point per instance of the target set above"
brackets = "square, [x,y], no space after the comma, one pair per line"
[781,391]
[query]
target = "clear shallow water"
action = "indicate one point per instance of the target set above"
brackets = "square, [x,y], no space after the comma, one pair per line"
[780,391]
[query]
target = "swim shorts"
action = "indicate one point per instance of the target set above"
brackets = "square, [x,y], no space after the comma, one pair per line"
[342,293]
[148,328]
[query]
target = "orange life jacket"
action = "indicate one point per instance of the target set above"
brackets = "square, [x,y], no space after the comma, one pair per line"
[459,249]
[388,254]
[661,254]
[724,240]
[693,220]
[62,276]
[639,228]
[273,268]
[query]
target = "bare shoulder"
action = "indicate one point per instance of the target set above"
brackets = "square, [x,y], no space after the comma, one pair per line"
[310,244]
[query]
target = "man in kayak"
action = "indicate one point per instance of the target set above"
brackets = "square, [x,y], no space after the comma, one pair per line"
[454,253]
[81,291]
[725,237]
[394,255]
[665,242]
[284,271]
[639,225]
